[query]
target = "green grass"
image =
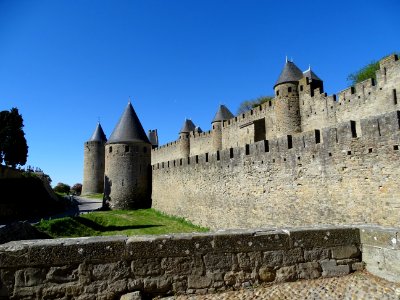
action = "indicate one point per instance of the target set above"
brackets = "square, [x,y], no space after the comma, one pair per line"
[94,196]
[117,222]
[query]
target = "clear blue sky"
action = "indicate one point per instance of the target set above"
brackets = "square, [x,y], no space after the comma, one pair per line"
[64,63]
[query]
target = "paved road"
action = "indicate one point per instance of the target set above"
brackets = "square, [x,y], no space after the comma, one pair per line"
[86,205]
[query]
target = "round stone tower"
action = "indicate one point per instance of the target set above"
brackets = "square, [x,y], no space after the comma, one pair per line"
[287,106]
[127,178]
[93,163]
[222,114]
[184,137]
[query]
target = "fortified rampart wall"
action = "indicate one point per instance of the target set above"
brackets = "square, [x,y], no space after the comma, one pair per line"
[335,175]
[109,267]
[317,110]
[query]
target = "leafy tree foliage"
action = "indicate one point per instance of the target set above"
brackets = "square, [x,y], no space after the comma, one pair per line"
[250,104]
[62,188]
[368,71]
[13,146]
[364,73]
[76,189]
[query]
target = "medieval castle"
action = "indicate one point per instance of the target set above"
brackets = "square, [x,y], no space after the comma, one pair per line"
[302,158]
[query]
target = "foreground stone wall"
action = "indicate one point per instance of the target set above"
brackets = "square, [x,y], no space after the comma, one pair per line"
[344,174]
[108,267]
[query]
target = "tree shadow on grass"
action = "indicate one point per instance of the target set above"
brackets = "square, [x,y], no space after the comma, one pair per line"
[98,227]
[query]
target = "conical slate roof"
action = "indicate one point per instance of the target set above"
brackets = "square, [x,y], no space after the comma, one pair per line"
[290,73]
[222,114]
[311,75]
[129,128]
[188,126]
[98,135]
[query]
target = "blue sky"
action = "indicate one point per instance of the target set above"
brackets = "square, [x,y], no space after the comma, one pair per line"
[65,64]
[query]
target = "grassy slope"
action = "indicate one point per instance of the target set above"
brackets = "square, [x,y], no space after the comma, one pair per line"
[119,222]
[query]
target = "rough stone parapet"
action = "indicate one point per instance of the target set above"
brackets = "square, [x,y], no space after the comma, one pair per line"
[109,267]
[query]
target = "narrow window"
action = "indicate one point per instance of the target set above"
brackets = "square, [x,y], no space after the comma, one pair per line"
[231,152]
[353,129]
[218,157]
[247,149]
[289,142]
[330,154]
[126,148]
[110,149]
[270,103]
[188,160]
[348,152]
[317,136]
[370,150]
[197,159]
[206,157]
[174,163]
[266,146]
[289,89]
[352,90]
[168,165]
[396,147]
[162,165]
[394,97]
[301,88]
[180,162]
[277,93]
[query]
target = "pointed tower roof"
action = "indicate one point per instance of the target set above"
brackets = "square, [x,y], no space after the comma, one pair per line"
[311,75]
[129,128]
[98,135]
[290,73]
[222,114]
[188,126]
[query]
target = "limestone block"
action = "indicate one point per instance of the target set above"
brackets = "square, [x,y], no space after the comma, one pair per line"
[323,237]
[29,277]
[218,261]
[177,265]
[347,251]
[146,266]
[309,270]
[248,261]
[293,256]
[286,274]
[199,282]
[316,254]
[266,274]
[331,269]
[379,237]
[62,274]
[273,258]
[157,285]
[132,296]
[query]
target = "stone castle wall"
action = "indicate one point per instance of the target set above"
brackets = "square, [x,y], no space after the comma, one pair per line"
[109,267]
[343,167]
[335,175]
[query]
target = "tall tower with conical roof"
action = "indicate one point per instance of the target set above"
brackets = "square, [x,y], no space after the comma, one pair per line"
[93,162]
[127,177]
[184,137]
[287,106]
[222,114]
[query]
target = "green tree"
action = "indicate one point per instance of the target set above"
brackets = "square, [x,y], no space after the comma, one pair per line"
[76,189]
[250,104]
[368,71]
[13,146]
[62,188]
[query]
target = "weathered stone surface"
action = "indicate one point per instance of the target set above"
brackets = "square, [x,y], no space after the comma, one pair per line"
[111,271]
[286,274]
[266,274]
[199,282]
[331,269]
[316,254]
[146,266]
[347,251]
[62,274]
[309,270]
[218,261]
[132,296]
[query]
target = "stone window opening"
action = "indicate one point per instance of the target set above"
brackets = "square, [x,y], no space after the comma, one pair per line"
[266,146]
[247,149]
[110,149]
[206,157]
[394,97]
[348,152]
[370,150]
[126,148]
[231,152]
[188,161]
[218,156]
[289,89]
[197,159]
[180,162]
[396,147]
[277,93]
[317,136]
[353,129]
[289,142]
[301,88]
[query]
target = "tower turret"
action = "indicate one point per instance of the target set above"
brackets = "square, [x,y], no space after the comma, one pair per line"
[127,164]
[184,137]
[222,114]
[287,110]
[153,138]
[93,162]
[310,82]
